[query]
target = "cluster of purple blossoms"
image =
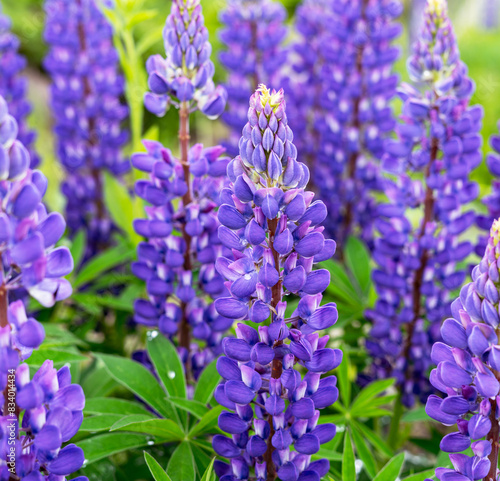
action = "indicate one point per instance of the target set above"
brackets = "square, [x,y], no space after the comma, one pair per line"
[86,91]
[51,408]
[253,34]
[273,227]
[468,372]
[177,261]
[180,271]
[418,265]
[491,201]
[13,86]
[347,70]
[186,74]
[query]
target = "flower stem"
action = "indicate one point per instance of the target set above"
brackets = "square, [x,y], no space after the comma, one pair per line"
[394,429]
[493,437]
[277,365]
[184,138]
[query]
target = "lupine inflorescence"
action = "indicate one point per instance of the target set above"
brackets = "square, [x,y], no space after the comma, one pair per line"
[49,406]
[85,98]
[273,227]
[253,34]
[346,83]
[185,74]
[438,137]
[468,372]
[491,201]
[177,260]
[13,85]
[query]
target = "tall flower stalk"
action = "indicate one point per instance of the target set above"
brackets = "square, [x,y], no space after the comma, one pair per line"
[491,201]
[438,146]
[273,227]
[38,415]
[85,100]
[345,84]
[468,373]
[253,34]
[177,260]
[13,85]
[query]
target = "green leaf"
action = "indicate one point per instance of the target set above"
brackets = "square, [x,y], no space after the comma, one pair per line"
[157,471]
[341,286]
[209,474]
[196,408]
[102,422]
[104,445]
[164,429]
[348,462]
[365,397]
[140,17]
[78,247]
[97,382]
[168,365]
[106,405]
[58,356]
[391,470]
[102,263]
[57,335]
[181,466]
[373,438]
[364,453]
[207,383]
[123,207]
[420,476]
[207,423]
[139,380]
[343,377]
[358,261]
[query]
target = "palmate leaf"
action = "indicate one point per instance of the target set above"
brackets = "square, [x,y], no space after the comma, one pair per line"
[343,377]
[162,429]
[168,364]
[209,474]
[196,408]
[420,476]
[101,422]
[105,445]
[103,262]
[358,261]
[207,424]
[366,396]
[364,453]
[157,471]
[106,405]
[373,438]
[140,381]
[348,461]
[181,466]
[390,472]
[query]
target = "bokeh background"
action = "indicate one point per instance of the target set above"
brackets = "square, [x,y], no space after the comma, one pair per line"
[476,24]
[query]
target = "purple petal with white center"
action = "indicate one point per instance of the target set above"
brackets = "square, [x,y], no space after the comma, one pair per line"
[69,460]
[307,444]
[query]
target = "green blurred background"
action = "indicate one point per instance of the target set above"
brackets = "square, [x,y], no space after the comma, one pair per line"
[479,45]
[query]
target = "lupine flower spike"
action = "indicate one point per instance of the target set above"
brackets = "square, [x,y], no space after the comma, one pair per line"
[177,260]
[491,201]
[13,85]
[253,34]
[468,373]
[42,413]
[85,98]
[346,82]
[273,226]
[418,266]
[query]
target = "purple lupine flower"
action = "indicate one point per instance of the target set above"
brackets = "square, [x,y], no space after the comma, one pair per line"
[273,226]
[185,75]
[13,85]
[418,265]
[169,266]
[346,53]
[253,34]
[491,201]
[51,408]
[86,91]
[468,365]
[177,261]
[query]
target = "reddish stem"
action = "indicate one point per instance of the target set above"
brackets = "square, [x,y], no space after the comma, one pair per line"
[493,438]
[277,365]
[184,138]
